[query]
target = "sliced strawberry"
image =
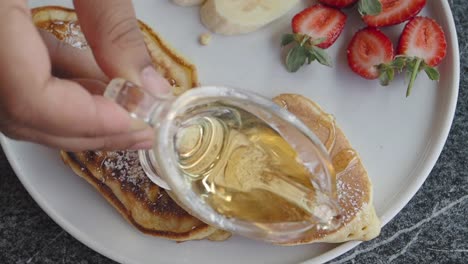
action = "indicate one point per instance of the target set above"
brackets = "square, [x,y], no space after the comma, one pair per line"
[394,12]
[320,22]
[423,46]
[425,39]
[338,3]
[365,7]
[315,29]
[370,54]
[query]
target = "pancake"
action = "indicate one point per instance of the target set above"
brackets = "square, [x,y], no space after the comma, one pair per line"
[62,22]
[118,176]
[354,187]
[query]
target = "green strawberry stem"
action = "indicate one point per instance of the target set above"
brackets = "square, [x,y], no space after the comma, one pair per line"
[304,40]
[304,50]
[413,76]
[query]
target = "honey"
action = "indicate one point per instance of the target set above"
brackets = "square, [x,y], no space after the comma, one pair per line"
[243,168]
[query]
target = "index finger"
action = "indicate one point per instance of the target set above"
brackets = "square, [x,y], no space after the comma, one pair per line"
[31,97]
[112,31]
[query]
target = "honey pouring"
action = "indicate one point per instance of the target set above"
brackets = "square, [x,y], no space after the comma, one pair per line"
[236,160]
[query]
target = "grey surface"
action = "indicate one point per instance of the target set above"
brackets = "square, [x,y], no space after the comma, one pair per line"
[432,228]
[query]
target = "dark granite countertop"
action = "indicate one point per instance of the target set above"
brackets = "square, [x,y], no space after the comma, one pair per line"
[432,228]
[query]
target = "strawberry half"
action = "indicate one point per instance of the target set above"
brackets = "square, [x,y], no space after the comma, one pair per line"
[365,7]
[371,54]
[320,22]
[394,12]
[315,29]
[338,3]
[422,45]
[369,7]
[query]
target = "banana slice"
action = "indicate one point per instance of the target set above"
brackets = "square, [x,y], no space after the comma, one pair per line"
[231,17]
[188,2]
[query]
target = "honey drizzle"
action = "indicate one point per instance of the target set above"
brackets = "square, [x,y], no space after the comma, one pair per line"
[245,169]
[344,160]
[328,122]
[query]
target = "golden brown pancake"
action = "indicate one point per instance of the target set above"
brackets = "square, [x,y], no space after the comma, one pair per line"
[353,184]
[118,176]
[120,179]
[180,73]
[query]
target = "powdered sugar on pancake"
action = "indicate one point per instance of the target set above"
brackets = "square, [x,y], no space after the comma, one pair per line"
[125,166]
[352,197]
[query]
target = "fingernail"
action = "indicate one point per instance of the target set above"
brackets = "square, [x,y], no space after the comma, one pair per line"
[138,125]
[154,82]
[142,145]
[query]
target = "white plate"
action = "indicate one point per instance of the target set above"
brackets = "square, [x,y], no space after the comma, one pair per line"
[399,139]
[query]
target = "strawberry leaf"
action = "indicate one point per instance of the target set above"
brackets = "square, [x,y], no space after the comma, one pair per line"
[399,63]
[296,58]
[287,39]
[321,56]
[303,51]
[369,7]
[310,57]
[432,72]
[387,74]
[387,71]
[414,66]
[384,78]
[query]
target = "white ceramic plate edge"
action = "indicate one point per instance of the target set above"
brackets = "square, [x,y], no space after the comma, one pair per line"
[75,232]
[392,211]
[429,161]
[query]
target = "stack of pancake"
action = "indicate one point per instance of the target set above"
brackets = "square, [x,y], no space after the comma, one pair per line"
[120,179]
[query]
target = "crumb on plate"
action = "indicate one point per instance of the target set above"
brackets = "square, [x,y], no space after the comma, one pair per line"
[205,39]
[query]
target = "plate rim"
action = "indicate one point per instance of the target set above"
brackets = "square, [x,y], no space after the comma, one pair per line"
[396,207]
[424,172]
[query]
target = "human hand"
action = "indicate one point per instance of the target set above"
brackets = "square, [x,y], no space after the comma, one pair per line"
[39,107]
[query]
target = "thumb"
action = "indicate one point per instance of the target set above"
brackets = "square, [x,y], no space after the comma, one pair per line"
[113,33]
